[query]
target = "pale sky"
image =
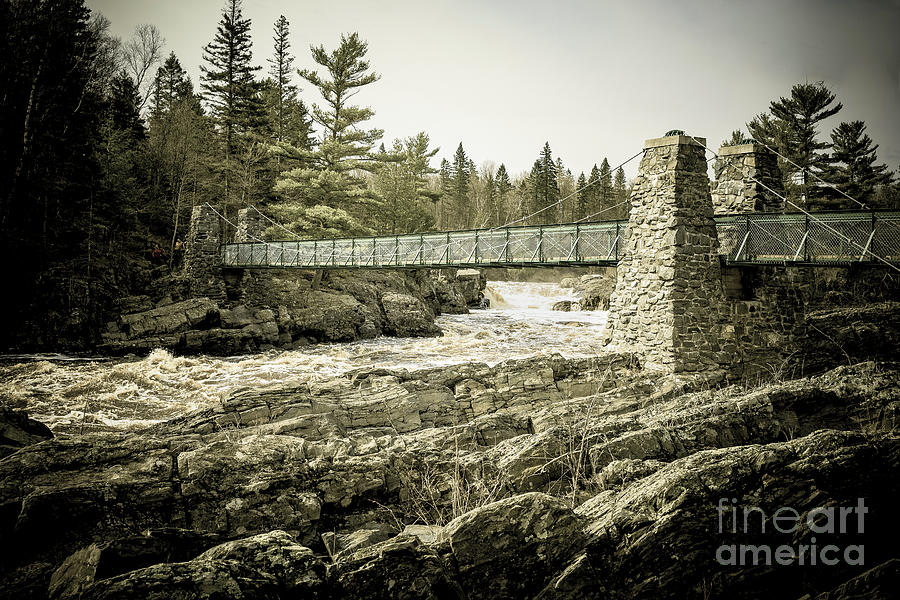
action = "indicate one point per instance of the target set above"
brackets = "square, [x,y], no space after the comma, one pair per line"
[595,79]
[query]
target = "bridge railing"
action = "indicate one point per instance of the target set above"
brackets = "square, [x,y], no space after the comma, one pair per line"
[823,238]
[582,243]
[762,238]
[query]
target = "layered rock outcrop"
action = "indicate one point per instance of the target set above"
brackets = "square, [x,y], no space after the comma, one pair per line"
[543,478]
[295,309]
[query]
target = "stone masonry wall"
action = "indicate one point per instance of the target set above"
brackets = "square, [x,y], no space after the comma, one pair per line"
[668,301]
[768,316]
[734,189]
[254,284]
[202,262]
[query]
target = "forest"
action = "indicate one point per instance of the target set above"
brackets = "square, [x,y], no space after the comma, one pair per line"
[107,144]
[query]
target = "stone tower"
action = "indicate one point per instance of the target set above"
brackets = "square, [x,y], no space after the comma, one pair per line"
[668,299]
[202,261]
[255,284]
[747,180]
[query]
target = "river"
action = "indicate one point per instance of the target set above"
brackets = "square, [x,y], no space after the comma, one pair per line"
[77,395]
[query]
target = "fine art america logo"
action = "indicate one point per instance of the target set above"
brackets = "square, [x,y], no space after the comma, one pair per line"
[823,521]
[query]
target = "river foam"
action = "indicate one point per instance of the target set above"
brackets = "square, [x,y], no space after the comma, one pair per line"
[102,394]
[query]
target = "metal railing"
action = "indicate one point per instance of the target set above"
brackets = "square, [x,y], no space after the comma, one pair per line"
[762,238]
[820,238]
[541,245]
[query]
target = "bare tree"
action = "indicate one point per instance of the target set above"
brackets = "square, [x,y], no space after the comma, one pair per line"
[140,54]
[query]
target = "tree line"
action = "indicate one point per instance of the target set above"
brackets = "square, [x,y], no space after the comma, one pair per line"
[106,145]
[837,173]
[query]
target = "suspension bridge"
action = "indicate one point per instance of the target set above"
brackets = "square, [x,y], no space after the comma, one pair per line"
[748,238]
[766,238]
[689,293]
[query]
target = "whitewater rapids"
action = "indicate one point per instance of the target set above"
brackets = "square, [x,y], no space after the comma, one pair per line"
[89,395]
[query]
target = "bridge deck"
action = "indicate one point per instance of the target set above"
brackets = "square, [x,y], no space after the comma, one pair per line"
[762,238]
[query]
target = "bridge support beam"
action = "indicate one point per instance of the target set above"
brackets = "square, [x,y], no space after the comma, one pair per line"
[747,180]
[202,263]
[668,298]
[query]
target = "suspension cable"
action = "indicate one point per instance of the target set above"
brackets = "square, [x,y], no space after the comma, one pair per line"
[810,215]
[561,200]
[838,190]
[273,222]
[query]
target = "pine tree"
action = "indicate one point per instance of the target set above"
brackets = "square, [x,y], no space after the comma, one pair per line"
[605,196]
[280,70]
[582,196]
[124,107]
[402,183]
[178,150]
[328,184]
[737,139]
[289,117]
[856,173]
[620,196]
[229,84]
[792,130]
[461,175]
[446,187]
[593,203]
[547,194]
[504,187]
[170,86]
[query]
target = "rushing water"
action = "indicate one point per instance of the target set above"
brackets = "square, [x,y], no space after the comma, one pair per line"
[74,395]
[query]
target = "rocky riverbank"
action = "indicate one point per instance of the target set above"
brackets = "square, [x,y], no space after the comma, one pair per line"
[538,478]
[291,310]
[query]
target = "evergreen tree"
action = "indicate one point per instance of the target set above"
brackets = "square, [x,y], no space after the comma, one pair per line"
[620,196]
[582,197]
[402,183]
[504,187]
[792,130]
[461,175]
[605,196]
[546,187]
[179,139]
[229,85]
[289,117]
[593,202]
[446,188]
[329,182]
[124,107]
[170,86]
[280,71]
[487,193]
[856,173]
[737,138]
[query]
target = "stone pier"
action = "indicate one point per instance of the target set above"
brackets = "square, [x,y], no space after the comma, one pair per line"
[668,302]
[254,284]
[202,262]
[747,180]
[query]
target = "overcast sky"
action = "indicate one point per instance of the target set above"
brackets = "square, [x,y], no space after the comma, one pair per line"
[595,79]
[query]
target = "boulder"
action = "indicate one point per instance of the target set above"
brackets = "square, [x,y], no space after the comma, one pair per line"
[365,536]
[406,316]
[18,430]
[672,533]
[563,305]
[329,317]
[401,568]
[595,291]
[449,298]
[109,559]
[196,313]
[512,547]
[269,565]
[471,284]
